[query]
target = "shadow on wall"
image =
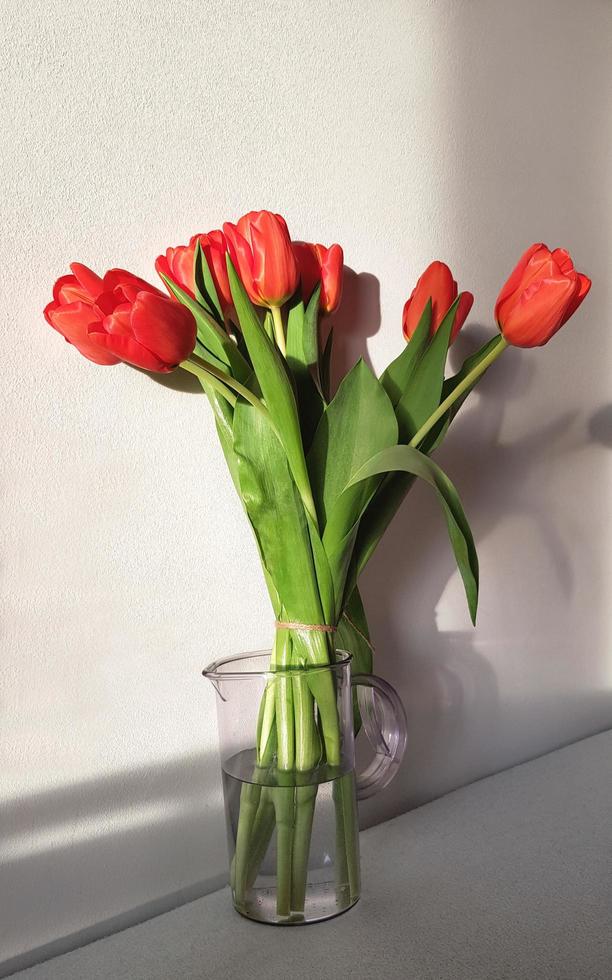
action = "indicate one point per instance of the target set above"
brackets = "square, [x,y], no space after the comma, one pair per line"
[356,319]
[600,426]
[449,686]
[528,461]
[156,831]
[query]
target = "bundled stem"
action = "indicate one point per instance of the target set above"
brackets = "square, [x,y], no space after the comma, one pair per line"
[299,731]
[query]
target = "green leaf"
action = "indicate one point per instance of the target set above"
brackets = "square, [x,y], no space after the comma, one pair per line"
[352,635]
[268,324]
[323,571]
[395,486]
[302,334]
[422,396]
[211,335]
[275,386]
[354,617]
[325,366]
[397,377]
[276,513]
[301,357]
[224,421]
[205,289]
[409,460]
[357,423]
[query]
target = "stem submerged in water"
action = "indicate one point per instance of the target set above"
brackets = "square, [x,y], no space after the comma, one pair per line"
[305,800]
[298,729]
[249,800]
[284,808]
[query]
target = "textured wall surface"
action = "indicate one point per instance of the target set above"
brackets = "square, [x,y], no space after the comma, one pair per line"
[406,131]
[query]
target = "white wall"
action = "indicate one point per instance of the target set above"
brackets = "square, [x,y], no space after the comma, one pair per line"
[406,131]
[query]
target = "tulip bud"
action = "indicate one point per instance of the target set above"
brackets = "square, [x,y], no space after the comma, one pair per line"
[261,250]
[178,265]
[437,284]
[316,264]
[540,296]
[121,318]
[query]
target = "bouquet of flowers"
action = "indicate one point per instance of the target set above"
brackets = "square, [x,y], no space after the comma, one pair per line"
[320,469]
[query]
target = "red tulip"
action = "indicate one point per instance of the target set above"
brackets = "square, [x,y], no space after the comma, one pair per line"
[178,265]
[316,264]
[261,250]
[437,284]
[540,295]
[121,318]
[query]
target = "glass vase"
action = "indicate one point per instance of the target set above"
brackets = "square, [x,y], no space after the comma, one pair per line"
[293,832]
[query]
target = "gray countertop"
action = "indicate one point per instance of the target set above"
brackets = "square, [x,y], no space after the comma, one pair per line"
[510,877]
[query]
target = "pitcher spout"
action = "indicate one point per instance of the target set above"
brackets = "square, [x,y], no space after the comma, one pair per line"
[211,673]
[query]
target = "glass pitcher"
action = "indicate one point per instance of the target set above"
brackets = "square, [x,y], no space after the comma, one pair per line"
[293,833]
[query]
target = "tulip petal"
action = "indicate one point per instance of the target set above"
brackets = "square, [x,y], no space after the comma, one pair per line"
[514,280]
[545,291]
[90,282]
[244,226]
[74,323]
[464,306]
[275,271]
[309,267]
[538,312]
[584,284]
[126,285]
[438,280]
[123,348]
[332,269]
[181,260]
[118,322]
[242,259]
[106,303]
[437,284]
[164,327]
[541,266]
[563,261]
[68,289]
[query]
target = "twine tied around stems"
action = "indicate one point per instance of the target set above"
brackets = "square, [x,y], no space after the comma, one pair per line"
[321,628]
[308,627]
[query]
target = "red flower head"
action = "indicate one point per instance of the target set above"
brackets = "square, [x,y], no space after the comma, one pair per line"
[121,318]
[316,264]
[540,296]
[437,284]
[261,250]
[178,265]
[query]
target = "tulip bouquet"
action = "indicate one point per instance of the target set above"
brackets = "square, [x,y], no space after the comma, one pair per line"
[320,472]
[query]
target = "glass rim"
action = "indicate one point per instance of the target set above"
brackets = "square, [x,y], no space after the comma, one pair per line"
[215,671]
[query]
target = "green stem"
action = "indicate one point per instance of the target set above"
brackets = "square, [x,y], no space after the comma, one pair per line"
[206,370]
[322,686]
[341,855]
[285,728]
[249,800]
[305,800]
[211,380]
[261,835]
[307,746]
[462,387]
[266,727]
[284,808]
[351,832]
[347,839]
[279,330]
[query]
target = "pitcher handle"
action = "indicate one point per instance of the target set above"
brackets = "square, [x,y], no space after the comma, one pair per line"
[384,721]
